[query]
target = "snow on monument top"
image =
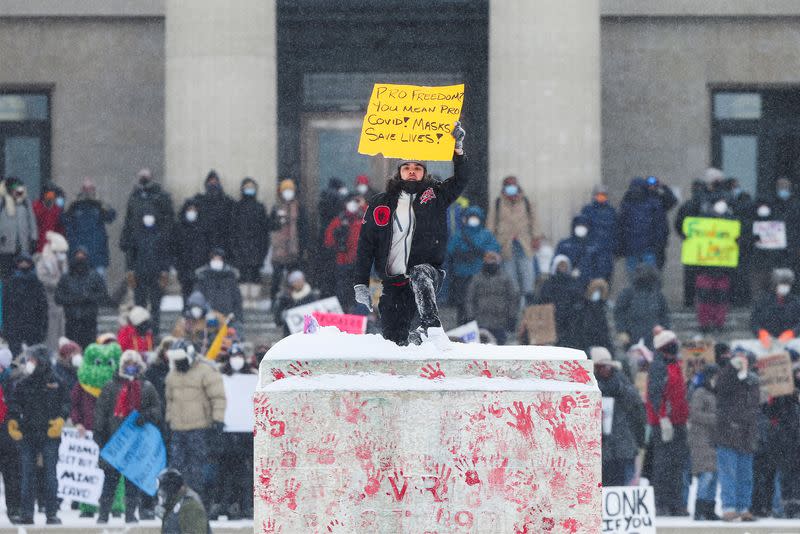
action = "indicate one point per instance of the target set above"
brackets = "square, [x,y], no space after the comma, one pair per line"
[330,344]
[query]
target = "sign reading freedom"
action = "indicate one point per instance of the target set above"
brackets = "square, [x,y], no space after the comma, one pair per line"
[710,242]
[411,122]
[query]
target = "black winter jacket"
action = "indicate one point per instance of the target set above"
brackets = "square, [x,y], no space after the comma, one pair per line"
[190,244]
[429,243]
[24,309]
[215,211]
[81,295]
[737,411]
[250,233]
[105,423]
[36,400]
[221,289]
[149,251]
[143,200]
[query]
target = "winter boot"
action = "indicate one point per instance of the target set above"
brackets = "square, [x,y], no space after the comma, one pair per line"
[424,281]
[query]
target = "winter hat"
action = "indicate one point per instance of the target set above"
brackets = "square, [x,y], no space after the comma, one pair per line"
[712,175]
[601,356]
[67,347]
[144,173]
[5,358]
[56,241]
[106,337]
[212,175]
[248,180]
[407,161]
[138,315]
[40,353]
[130,356]
[597,284]
[560,258]
[295,276]
[510,180]
[474,211]
[599,189]
[217,251]
[664,338]
[288,183]
[181,350]
[782,276]
[362,179]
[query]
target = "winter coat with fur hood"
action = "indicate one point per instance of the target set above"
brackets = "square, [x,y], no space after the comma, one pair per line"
[196,398]
[18,230]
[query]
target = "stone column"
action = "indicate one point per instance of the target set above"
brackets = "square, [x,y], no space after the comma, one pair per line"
[221,94]
[544,104]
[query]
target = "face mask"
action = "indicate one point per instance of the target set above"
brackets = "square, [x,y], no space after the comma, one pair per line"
[362,189]
[76,360]
[144,180]
[149,220]
[213,188]
[670,350]
[596,296]
[784,194]
[61,256]
[182,365]
[249,192]
[196,311]
[343,191]
[237,362]
[60,202]
[288,195]
[191,215]
[764,211]
[783,289]
[30,367]
[581,231]
[511,190]
[352,207]
[473,222]
[131,370]
[216,265]
[491,268]
[720,207]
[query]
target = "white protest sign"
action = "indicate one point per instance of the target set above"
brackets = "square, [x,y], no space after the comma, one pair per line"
[239,389]
[629,510]
[608,415]
[466,333]
[79,476]
[294,316]
[771,235]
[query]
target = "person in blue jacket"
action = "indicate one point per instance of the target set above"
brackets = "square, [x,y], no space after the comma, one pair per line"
[580,250]
[465,252]
[602,219]
[85,224]
[640,234]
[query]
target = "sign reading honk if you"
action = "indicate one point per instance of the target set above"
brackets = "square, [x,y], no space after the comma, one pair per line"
[411,122]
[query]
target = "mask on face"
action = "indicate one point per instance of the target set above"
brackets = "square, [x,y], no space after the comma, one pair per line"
[60,202]
[191,215]
[288,195]
[196,311]
[131,370]
[720,207]
[581,231]
[784,194]
[783,289]
[249,191]
[511,190]
[764,211]
[596,296]
[149,220]
[670,350]
[237,362]
[216,264]
[182,365]
[213,188]
[30,367]
[343,191]
[362,189]
[491,268]
[352,207]
[144,180]
[473,222]
[143,328]
[76,360]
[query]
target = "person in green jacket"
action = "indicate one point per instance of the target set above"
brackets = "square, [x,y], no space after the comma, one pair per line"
[180,508]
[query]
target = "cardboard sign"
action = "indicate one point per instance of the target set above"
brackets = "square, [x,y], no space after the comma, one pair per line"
[695,355]
[137,452]
[540,323]
[294,316]
[775,375]
[346,322]
[629,510]
[239,389]
[710,242]
[771,235]
[467,333]
[411,122]
[79,475]
[608,415]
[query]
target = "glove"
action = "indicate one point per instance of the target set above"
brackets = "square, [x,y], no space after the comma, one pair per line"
[13,430]
[131,279]
[163,280]
[786,336]
[218,427]
[764,338]
[54,427]
[363,296]
[459,134]
[667,432]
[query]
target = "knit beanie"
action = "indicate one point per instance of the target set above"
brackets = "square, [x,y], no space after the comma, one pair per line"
[67,347]
[138,315]
[288,183]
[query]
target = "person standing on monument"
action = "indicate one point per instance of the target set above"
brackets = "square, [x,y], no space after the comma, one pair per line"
[405,235]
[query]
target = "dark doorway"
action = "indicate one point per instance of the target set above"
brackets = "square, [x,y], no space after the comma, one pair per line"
[25,137]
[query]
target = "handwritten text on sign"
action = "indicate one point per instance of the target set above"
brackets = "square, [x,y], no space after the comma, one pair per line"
[411,122]
[79,476]
[345,322]
[775,375]
[629,510]
[710,242]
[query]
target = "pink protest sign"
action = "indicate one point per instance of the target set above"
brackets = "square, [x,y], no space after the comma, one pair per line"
[351,324]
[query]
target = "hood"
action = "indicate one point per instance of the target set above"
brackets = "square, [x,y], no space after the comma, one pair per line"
[56,242]
[558,259]
[475,211]
[580,220]
[197,299]
[41,354]
[646,277]
[130,356]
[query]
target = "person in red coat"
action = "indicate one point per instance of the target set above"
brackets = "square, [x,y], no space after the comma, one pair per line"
[341,236]
[47,210]
[138,333]
[667,414]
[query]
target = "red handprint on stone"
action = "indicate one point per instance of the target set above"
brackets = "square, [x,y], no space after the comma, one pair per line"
[523,421]
[542,370]
[277,374]
[288,456]
[373,485]
[563,437]
[497,472]
[268,526]
[481,368]
[299,368]
[334,525]
[576,372]
[291,487]
[430,372]
[568,403]
[351,409]
[324,450]
[467,469]
[546,410]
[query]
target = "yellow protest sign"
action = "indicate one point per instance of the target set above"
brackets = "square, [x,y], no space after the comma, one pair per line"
[710,242]
[411,122]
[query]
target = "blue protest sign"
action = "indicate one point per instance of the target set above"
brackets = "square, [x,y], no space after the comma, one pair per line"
[137,452]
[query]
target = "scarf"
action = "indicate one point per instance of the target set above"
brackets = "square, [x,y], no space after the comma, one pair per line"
[129,398]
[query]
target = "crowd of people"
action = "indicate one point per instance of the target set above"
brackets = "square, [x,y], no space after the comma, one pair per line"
[53,266]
